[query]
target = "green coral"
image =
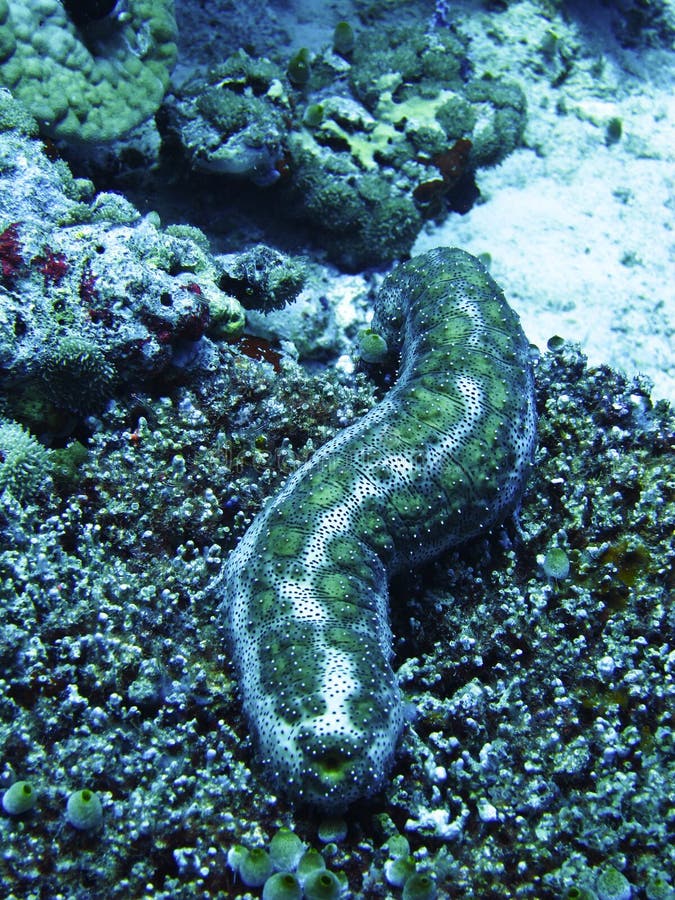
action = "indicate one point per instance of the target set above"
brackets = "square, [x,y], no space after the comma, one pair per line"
[24,463]
[359,217]
[263,278]
[387,111]
[76,374]
[234,123]
[414,107]
[87,82]
[411,58]
[14,116]
[456,116]
[503,132]
[229,111]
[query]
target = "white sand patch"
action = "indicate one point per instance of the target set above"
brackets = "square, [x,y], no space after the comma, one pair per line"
[581,234]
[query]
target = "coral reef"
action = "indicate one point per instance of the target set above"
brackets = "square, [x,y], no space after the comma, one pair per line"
[92,296]
[262,278]
[114,674]
[25,464]
[345,148]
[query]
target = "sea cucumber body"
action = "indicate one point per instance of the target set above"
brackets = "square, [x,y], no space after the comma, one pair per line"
[441,459]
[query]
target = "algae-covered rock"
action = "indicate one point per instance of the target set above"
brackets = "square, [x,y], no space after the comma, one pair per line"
[93,297]
[370,143]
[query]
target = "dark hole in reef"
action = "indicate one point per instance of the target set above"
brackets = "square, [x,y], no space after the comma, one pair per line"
[335,142]
[20,327]
[177,268]
[236,287]
[84,12]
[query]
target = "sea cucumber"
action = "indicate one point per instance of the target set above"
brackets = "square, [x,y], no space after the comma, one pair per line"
[442,458]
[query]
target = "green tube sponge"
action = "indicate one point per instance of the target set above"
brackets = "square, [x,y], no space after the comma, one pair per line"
[84,810]
[286,848]
[372,346]
[398,846]
[300,67]
[255,868]
[322,885]
[397,871]
[577,892]
[343,38]
[19,798]
[87,79]
[311,861]
[556,564]
[419,886]
[282,886]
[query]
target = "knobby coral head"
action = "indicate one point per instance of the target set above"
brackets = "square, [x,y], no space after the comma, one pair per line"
[88,71]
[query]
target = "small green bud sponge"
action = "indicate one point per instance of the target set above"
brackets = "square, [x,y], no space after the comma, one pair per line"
[255,868]
[84,810]
[19,798]
[286,848]
[556,564]
[419,886]
[343,38]
[322,885]
[372,346]
[282,886]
